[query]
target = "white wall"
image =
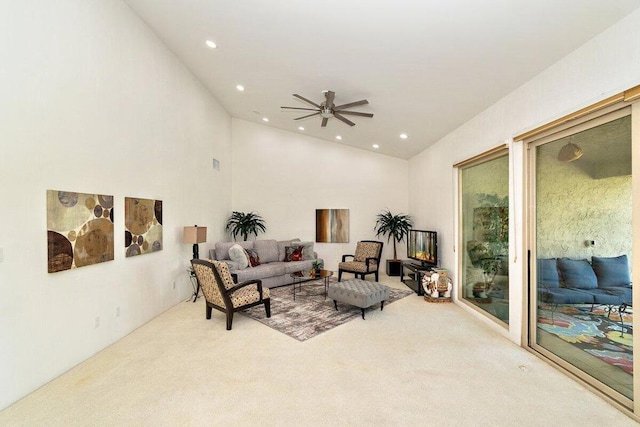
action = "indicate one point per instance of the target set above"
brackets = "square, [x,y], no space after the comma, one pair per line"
[285,177]
[608,64]
[92,102]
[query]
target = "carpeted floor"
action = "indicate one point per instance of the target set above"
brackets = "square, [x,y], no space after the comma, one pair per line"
[311,314]
[592,332]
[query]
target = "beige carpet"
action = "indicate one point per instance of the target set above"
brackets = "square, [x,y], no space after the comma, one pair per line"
[412,364]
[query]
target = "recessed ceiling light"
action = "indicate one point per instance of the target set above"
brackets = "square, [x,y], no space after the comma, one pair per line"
[240,88]
[404,136]
[265,119]
[339,138]
[211,44]
[376,146]
[300,127]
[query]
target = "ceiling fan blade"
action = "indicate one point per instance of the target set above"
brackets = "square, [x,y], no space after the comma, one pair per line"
[306,100]
[343,119]
[298,108]
[324,121]
[352,104]
[304,117]
[354,113]
[329,96]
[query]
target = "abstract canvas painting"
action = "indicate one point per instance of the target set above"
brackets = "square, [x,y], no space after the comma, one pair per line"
[143,226]
[332,225]
[79,229]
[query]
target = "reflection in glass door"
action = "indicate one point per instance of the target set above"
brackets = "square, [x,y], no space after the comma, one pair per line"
[581,259]
[484,231]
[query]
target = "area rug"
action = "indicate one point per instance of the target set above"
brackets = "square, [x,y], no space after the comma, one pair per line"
[592,332]
[310,314]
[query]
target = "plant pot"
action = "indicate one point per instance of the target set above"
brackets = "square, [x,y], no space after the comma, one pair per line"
[394,267]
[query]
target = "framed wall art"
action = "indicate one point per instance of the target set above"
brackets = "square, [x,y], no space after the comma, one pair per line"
[143,226]
[79,229]
[332,225]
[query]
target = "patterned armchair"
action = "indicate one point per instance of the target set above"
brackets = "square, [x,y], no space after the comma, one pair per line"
[365,261]
[221,293]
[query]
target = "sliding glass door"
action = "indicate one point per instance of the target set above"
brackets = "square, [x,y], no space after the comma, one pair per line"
[581,251]
[484,231]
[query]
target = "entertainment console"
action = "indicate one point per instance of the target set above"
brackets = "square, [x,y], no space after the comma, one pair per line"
[414,277]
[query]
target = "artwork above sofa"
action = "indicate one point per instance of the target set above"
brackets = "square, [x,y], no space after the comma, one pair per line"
[271,261]
[604,281]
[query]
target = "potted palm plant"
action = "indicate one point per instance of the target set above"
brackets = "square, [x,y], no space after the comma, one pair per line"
[395,227]
[245,224]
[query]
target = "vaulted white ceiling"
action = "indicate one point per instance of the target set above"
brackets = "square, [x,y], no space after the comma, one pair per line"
[425,66]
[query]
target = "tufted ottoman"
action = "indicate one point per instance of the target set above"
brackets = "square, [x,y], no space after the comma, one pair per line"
[360,293]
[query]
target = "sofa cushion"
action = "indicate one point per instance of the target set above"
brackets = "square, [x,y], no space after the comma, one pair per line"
[222,248]
[611,272]
[577,273]
[565,296]
[548,273]
[238,254]
[267,250]
[261,271]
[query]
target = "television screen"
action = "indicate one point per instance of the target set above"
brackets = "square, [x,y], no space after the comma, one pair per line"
[422,246]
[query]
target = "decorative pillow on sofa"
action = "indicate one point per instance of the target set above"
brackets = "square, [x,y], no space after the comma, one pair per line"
[293,253]
[577,273]
[238,254]
[307,252]
[548,273]
[612,272]
[254,259]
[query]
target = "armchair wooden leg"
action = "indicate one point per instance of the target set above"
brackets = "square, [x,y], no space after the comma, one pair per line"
[267,306]
[339,275]
[229,320]
[208,311]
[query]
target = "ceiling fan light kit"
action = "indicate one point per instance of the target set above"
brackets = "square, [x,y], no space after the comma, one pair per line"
[327,109]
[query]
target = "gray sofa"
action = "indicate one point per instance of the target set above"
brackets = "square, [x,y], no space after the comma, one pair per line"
[273,270]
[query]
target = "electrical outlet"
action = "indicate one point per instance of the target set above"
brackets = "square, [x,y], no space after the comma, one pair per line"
[174,284]
[97,324]
[117,311]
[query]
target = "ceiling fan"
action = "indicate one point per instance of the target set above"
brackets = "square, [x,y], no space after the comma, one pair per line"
[328,109]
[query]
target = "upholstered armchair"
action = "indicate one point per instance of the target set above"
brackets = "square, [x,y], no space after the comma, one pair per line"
[221,293]
[365,261]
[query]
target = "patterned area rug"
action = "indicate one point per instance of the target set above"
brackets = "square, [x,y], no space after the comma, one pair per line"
[310,314]
[592,332]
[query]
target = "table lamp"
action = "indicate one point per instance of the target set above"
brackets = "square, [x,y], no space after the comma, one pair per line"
[194,235]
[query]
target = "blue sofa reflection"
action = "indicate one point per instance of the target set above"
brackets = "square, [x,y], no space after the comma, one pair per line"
[603,281]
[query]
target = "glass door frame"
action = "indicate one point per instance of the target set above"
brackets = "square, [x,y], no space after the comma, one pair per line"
[585,121]
[487,156]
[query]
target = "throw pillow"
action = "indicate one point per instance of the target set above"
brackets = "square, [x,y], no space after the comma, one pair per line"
[254,259]
[612,272]
[548,273]
[293,253]
[577,273]
[238,254]
[307,252]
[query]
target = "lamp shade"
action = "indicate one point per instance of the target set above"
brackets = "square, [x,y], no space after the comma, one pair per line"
[194,234]
[569,153]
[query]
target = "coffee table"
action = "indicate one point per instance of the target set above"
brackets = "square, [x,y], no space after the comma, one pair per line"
[300,277]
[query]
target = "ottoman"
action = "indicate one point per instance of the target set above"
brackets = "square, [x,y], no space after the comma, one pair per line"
[360,293]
